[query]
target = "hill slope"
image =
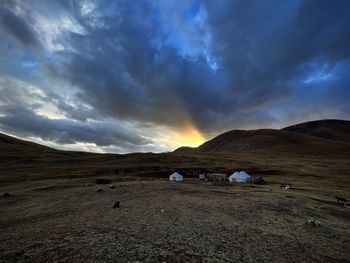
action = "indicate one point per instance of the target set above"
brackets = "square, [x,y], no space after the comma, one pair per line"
[271,141]
[338,130]
[315,137]
[12,144]
[322,137]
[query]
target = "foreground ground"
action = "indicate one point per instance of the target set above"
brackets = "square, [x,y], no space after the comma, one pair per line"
[161,221]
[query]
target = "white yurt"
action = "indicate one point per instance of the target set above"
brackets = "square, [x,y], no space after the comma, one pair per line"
[240,177]
[176,177]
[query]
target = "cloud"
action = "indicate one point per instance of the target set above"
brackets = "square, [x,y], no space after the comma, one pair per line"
[263,44]
[22,114]
[204,65]
[64,131]
[17,27]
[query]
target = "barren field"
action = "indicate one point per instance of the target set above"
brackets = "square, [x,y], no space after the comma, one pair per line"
[161,221]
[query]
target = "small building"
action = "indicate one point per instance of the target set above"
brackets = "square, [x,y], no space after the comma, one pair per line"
[176,177]
[240,177]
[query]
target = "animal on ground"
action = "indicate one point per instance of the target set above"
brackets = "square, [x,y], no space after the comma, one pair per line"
[100,191]
[6,195]
[116,204]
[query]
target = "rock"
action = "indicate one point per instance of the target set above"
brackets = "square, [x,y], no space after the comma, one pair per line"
[112,186]
[116,205]
[99,191]
[103,181]
[314,222]
[87,184]
[6,195]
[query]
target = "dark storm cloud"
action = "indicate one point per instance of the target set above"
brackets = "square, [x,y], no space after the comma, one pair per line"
[259,46]
[263,43]
[216,64]
[127,76]
[17,27]
[159,92]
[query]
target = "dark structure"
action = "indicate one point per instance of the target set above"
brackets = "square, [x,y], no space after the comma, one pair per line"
[259,181]
[191,172]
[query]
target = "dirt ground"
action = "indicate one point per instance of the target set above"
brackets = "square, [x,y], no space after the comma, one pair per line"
[162,221]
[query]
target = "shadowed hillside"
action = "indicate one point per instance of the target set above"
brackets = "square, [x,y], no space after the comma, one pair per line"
[272,141]
[338,130]
[317,138]
[9,144]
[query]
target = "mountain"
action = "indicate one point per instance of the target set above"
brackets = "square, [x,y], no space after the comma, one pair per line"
[316,137]
[271,141]
[297,149]
[338,130]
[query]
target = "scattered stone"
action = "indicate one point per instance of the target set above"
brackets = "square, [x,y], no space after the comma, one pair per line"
[100,191]
[314,222]
[112,186]
[116,205]
[6,195]
[103,181]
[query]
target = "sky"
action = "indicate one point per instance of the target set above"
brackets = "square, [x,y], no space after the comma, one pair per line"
[152,75]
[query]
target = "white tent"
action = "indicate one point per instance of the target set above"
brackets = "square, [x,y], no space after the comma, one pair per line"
[176,177]
[240,177]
